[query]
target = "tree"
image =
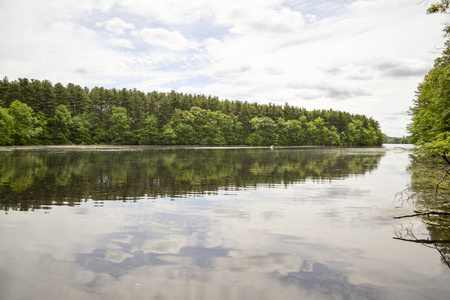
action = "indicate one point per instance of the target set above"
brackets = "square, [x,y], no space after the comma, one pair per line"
[182,123]
[119,131]
[96,128]
[60,93]
[60,125]
[265,131]
[41,97]
[332,136]
[214,127]
[77,99]
[149,133]
[168,136]
[4,84]
[312,135]
[230,128]
[6,127]
[80,133]
[9,92]
[25,123]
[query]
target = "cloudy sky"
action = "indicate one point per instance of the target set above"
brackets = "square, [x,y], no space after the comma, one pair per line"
[360,56]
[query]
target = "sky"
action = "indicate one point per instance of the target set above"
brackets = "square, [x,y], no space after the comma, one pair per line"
[360,56]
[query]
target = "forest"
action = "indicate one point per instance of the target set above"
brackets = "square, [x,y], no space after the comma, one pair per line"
[38,112]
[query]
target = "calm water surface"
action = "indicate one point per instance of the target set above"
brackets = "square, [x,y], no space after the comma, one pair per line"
[210,224]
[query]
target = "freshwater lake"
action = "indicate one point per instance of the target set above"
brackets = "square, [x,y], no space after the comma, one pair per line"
[197,223]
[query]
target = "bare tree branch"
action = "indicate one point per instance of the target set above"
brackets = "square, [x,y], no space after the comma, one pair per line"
[447,172]
[406,196]
[443,257]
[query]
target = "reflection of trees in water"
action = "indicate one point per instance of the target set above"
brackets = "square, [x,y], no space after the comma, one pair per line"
[433,208]
[32,180]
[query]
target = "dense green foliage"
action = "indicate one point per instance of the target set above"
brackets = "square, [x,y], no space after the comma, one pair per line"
[430,127]
[38,112]
[441,6]
[39,179]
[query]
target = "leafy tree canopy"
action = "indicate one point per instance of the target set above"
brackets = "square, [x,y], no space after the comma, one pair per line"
[439,7]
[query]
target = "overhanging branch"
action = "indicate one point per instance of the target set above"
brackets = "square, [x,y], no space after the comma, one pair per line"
[422,241]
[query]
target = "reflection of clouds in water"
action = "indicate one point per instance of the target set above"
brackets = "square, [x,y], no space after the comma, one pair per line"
[203,257]
[116,256]
[156,239]
[188,254]
[168,244]
[234,275]
[328,282]
[97,263]
[191,246]
[264,263]
[288,268]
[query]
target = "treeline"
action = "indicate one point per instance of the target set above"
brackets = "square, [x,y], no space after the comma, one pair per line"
[37,112]
[397,140]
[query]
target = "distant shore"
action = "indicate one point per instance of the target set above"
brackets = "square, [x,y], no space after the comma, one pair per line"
[65,148]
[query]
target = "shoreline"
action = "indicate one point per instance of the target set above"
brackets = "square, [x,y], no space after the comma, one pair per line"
[104,148]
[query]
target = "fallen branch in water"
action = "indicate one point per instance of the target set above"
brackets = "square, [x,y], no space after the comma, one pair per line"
[422,241]
[426,213]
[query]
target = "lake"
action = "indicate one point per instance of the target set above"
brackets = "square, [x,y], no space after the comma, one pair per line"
[199,223]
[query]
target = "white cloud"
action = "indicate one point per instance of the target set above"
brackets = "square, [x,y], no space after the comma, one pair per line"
[115,25]
[333,90]
[167,11]
[263,21]
[121,43]
[161,37]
